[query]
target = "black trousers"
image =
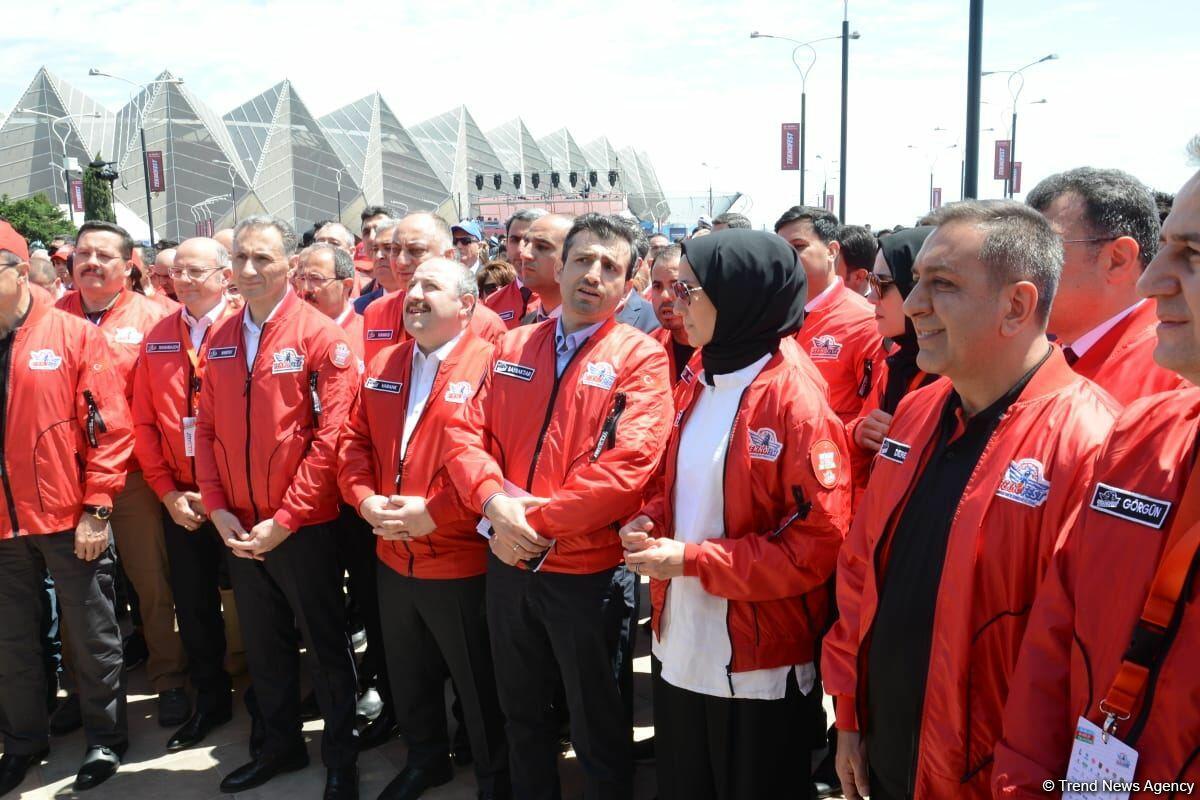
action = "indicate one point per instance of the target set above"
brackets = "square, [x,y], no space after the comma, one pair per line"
[621,623]
[86,601]
[356,548]
[298,585]
[544,625]
[716,748]
[431,628]
[195,560]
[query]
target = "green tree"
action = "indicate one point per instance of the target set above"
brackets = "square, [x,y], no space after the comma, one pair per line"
[35,218]
[97,193]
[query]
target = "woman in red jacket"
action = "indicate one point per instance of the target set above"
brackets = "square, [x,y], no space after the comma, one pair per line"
[742,532]
[891,280]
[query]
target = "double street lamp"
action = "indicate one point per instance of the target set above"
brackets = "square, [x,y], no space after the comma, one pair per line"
[1016,82]
[804,65]
[62,138]
[93,72]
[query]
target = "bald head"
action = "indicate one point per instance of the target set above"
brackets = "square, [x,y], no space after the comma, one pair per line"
[541,256]
[439,302]
[225,237]
[431,225]
[200,274]
[160,272]
[338,235]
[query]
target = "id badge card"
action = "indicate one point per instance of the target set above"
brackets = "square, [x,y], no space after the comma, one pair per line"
[1100,765]
[189,436]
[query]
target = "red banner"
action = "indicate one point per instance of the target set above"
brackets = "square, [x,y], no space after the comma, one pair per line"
[205,227]
[77,196]
[789,146]
[1000,167]
[154,158]
[936,200]
[1016,177]
[829,202]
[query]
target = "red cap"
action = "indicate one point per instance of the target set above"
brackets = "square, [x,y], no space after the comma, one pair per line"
[62,253]
[12,241]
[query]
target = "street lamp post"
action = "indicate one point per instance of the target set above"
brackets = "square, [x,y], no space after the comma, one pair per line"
[804,70]
[232,185]
[338,174]
[710,168]
[62,139]
[142,134]
[1016,82]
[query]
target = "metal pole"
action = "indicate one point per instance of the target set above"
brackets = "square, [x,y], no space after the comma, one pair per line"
[1012,153]
[962,180]
[931,190]
[66,180]
[803,124]
[146,169]
[845,96]
[970,182]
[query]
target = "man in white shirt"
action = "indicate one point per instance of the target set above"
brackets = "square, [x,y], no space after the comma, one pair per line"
[1109,226]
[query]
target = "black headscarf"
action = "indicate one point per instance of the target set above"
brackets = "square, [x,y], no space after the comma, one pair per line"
[900,252]
[759,290]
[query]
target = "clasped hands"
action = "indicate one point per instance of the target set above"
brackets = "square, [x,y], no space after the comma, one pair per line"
[659,558]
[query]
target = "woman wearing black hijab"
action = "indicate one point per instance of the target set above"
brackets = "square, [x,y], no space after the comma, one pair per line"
[742,532]
[891,280]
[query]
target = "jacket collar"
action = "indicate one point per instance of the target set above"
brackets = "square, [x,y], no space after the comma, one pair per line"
[288,306]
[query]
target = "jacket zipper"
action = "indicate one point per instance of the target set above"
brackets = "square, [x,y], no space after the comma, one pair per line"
[94,420]
[725,471]
[246,394]
[608,432]
[8,495]
[400,464]
[193,390]
[537,450]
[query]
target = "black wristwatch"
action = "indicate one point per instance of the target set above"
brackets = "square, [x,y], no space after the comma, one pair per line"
[101,513]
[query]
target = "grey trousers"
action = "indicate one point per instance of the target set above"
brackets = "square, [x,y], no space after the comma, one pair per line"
[85,597]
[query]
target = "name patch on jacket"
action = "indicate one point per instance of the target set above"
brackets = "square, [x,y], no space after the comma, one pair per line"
[127,336]
[44,360]
[1025,482]
[459,392]
[1131,506]
[222,352]
[894,451]
[375,384]
[765,445]
[505,315]
[162,347]
[286,360]
[599,374]
[825,347]
[518,371]
[379,335]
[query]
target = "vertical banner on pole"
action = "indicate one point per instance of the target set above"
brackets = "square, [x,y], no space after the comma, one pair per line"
[829,202]
[77,195]
[157,181]
[936,200]
[1000,164]
[1016,177]
[789,146]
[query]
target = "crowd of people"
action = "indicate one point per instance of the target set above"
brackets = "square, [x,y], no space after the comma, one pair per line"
[942,474]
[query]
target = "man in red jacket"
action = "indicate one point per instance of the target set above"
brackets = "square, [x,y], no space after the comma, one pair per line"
[554,450]
[166,397]
[1109,225]
[64,440]
[103,256]
[278,382]
[977,477]
[839,332]
[513,302]
[540,261]
[671,335]
[431,559]
[325,280]
[1097,644]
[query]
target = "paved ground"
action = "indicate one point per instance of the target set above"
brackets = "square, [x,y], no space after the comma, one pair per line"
[150,772]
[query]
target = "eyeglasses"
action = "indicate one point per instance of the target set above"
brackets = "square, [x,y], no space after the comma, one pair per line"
[196,274]
[683,292]
[465,240]
[879,283]
[1094,239]
[312,279]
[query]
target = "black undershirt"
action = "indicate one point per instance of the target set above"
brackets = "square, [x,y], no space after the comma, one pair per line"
[682,354]
[902,633]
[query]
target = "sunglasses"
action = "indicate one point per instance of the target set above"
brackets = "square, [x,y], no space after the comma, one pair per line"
[465,240]
[879,284]
[683,292]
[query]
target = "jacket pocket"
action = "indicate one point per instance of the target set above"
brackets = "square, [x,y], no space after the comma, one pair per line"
[991,660]
[56,473]
[284,462]
[224,474]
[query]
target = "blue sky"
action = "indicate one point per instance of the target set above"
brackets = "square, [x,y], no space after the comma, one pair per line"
[682,80]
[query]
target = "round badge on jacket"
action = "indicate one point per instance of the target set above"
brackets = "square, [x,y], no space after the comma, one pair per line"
[826,462]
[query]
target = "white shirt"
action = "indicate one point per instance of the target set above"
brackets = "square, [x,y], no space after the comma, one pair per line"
[197,328]
[823,298]
[478,265]
[1086,342]
[694,647]
[420,384]
[252,333]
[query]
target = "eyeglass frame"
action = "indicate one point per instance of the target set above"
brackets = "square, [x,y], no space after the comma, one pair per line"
[879,284]
[683,293]
[175,272]
[313,280]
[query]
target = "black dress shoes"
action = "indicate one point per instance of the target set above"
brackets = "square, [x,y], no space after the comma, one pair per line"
[196,728]
[174,708]
[261,770]
[258,735]
[99,764]
[341,784]
[380,730]
[13,768]
[413,781]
